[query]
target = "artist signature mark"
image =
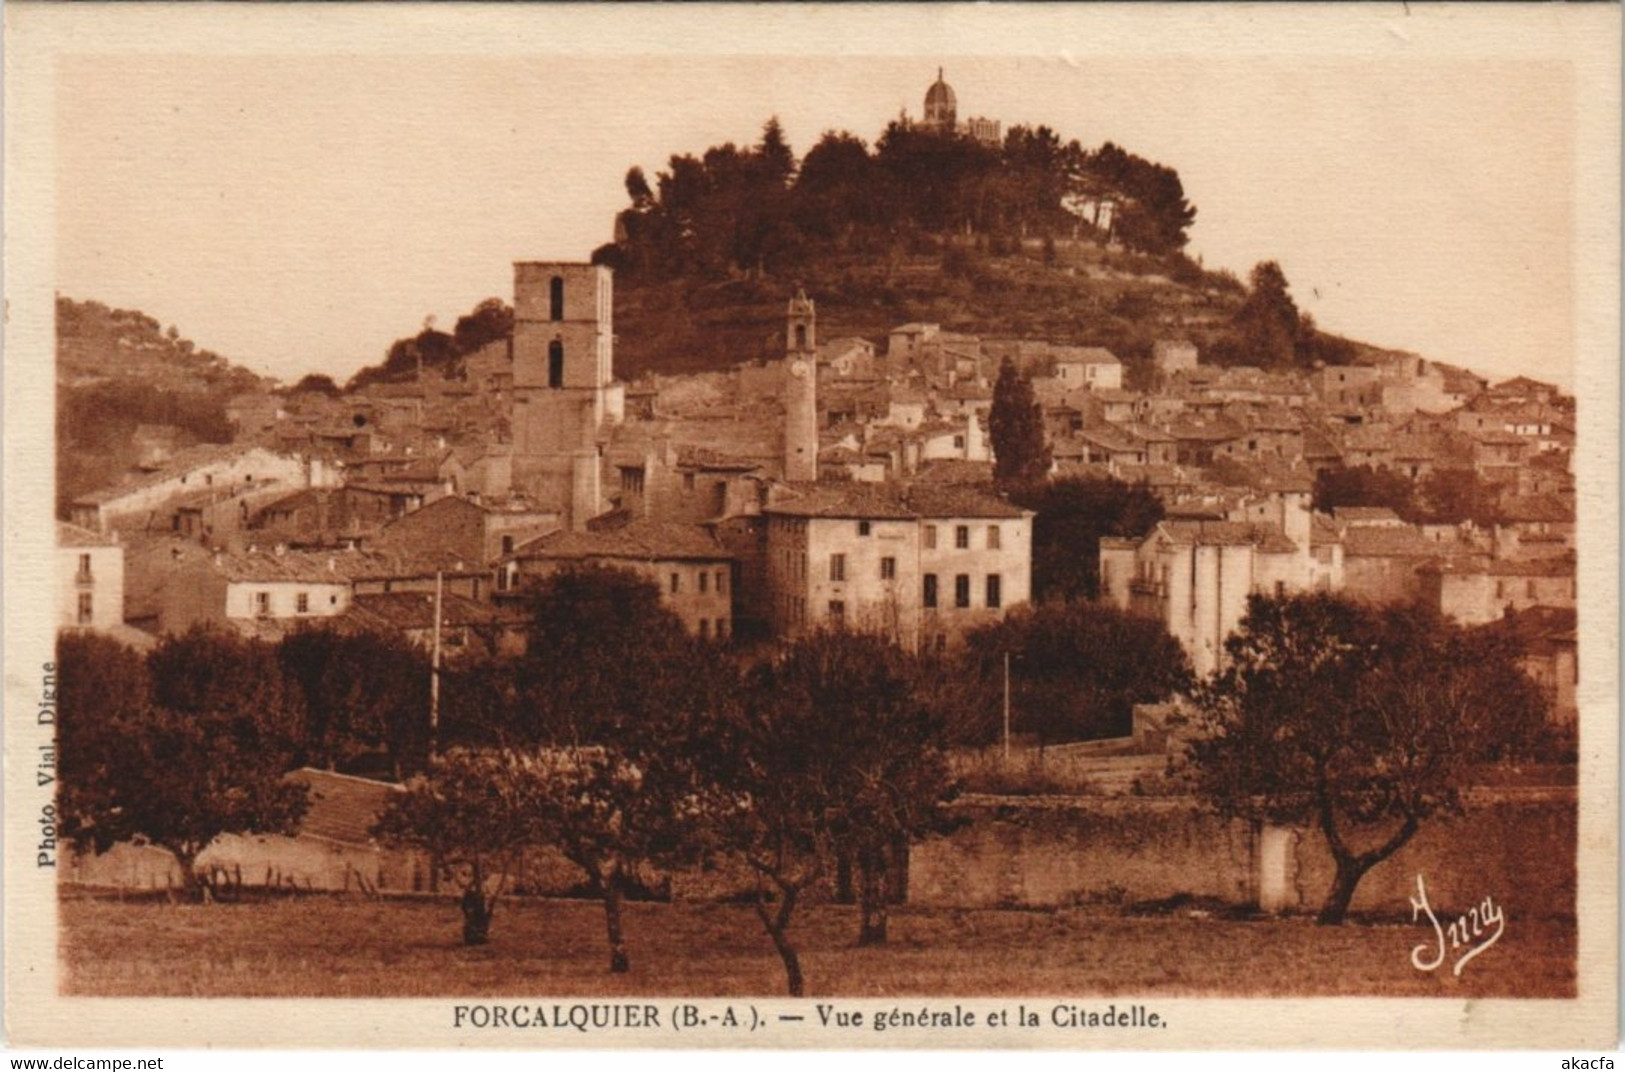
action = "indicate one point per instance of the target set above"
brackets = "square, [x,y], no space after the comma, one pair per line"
[1463,939]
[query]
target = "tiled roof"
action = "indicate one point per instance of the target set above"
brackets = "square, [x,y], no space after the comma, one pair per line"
[1227,534]
[1384,541]
[1084,355]
[643,539]
[1499,439]
[1207,431]
[855,500]
[1555,566]
[1111,437]
[178,464]
[893,501]
[1363,514]
[74,536]
[338,567]
[1549,508]
[1155,475]
[342,807]
[415,610]
[959,500]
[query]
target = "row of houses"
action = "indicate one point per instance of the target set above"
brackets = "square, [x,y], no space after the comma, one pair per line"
[842,485]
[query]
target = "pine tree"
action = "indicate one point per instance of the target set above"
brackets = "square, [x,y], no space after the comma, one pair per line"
[1021,453]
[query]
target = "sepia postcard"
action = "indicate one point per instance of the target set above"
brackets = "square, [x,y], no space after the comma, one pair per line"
[925,526]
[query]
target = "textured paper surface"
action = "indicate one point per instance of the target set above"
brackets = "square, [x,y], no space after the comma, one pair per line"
[46,44]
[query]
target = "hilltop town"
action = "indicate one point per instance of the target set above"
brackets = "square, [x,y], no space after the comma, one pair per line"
[740,625]
[848,481]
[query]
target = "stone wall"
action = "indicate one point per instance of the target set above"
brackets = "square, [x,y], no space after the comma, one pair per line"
[1049,851]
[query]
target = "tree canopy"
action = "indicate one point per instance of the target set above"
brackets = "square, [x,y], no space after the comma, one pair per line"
[1076,671]
[756,209]
[829,753]
[1362,721]
[439,352]
[144,756]
[1071,515]
[475,814]
[1015,424]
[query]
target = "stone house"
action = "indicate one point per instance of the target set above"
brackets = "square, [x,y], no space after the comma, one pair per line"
[470,531]
[692,570]
[231,468]
[921,563]
[1475,591]
[90,579]
[1087,367]
[1195,577]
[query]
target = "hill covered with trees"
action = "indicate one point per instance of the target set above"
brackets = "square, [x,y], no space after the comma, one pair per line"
[120,372]
[1034,236]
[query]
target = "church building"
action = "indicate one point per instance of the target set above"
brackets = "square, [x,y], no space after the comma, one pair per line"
[942,115]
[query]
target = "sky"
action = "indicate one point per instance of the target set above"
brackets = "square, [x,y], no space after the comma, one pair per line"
[299,212]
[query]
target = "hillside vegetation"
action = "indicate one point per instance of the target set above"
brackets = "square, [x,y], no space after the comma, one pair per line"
[1035,237]
[122,380]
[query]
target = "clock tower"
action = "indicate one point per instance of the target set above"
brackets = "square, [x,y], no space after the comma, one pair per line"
[801,390]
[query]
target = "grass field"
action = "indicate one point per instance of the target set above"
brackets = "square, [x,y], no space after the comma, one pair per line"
[352,947]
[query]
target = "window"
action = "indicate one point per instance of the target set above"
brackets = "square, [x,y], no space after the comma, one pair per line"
[688,481]
[995,591]
[993,538]
[555,364]
[722,582]
[705,580]
[942,642]
[262,604]
[959,442]
[962,590]
[705,629]
[930,537]
[676,583]
[507,545]
[888,569]
[863,528]
[837,611]
[837,567]
[84,568]
[555,299]
[801,336]
[930,589]
[961,536]
[301,603]
[87,609]
[722,629]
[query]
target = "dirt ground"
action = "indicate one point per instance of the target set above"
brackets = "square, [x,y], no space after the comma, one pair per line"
[332,946]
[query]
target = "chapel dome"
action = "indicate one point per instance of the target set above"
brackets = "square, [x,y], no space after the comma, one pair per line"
[941,106]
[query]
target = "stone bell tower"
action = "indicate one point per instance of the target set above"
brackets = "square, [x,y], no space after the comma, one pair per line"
[801,390]
[563,362]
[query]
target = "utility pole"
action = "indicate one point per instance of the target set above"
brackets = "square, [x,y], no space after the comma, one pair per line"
[434,668]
